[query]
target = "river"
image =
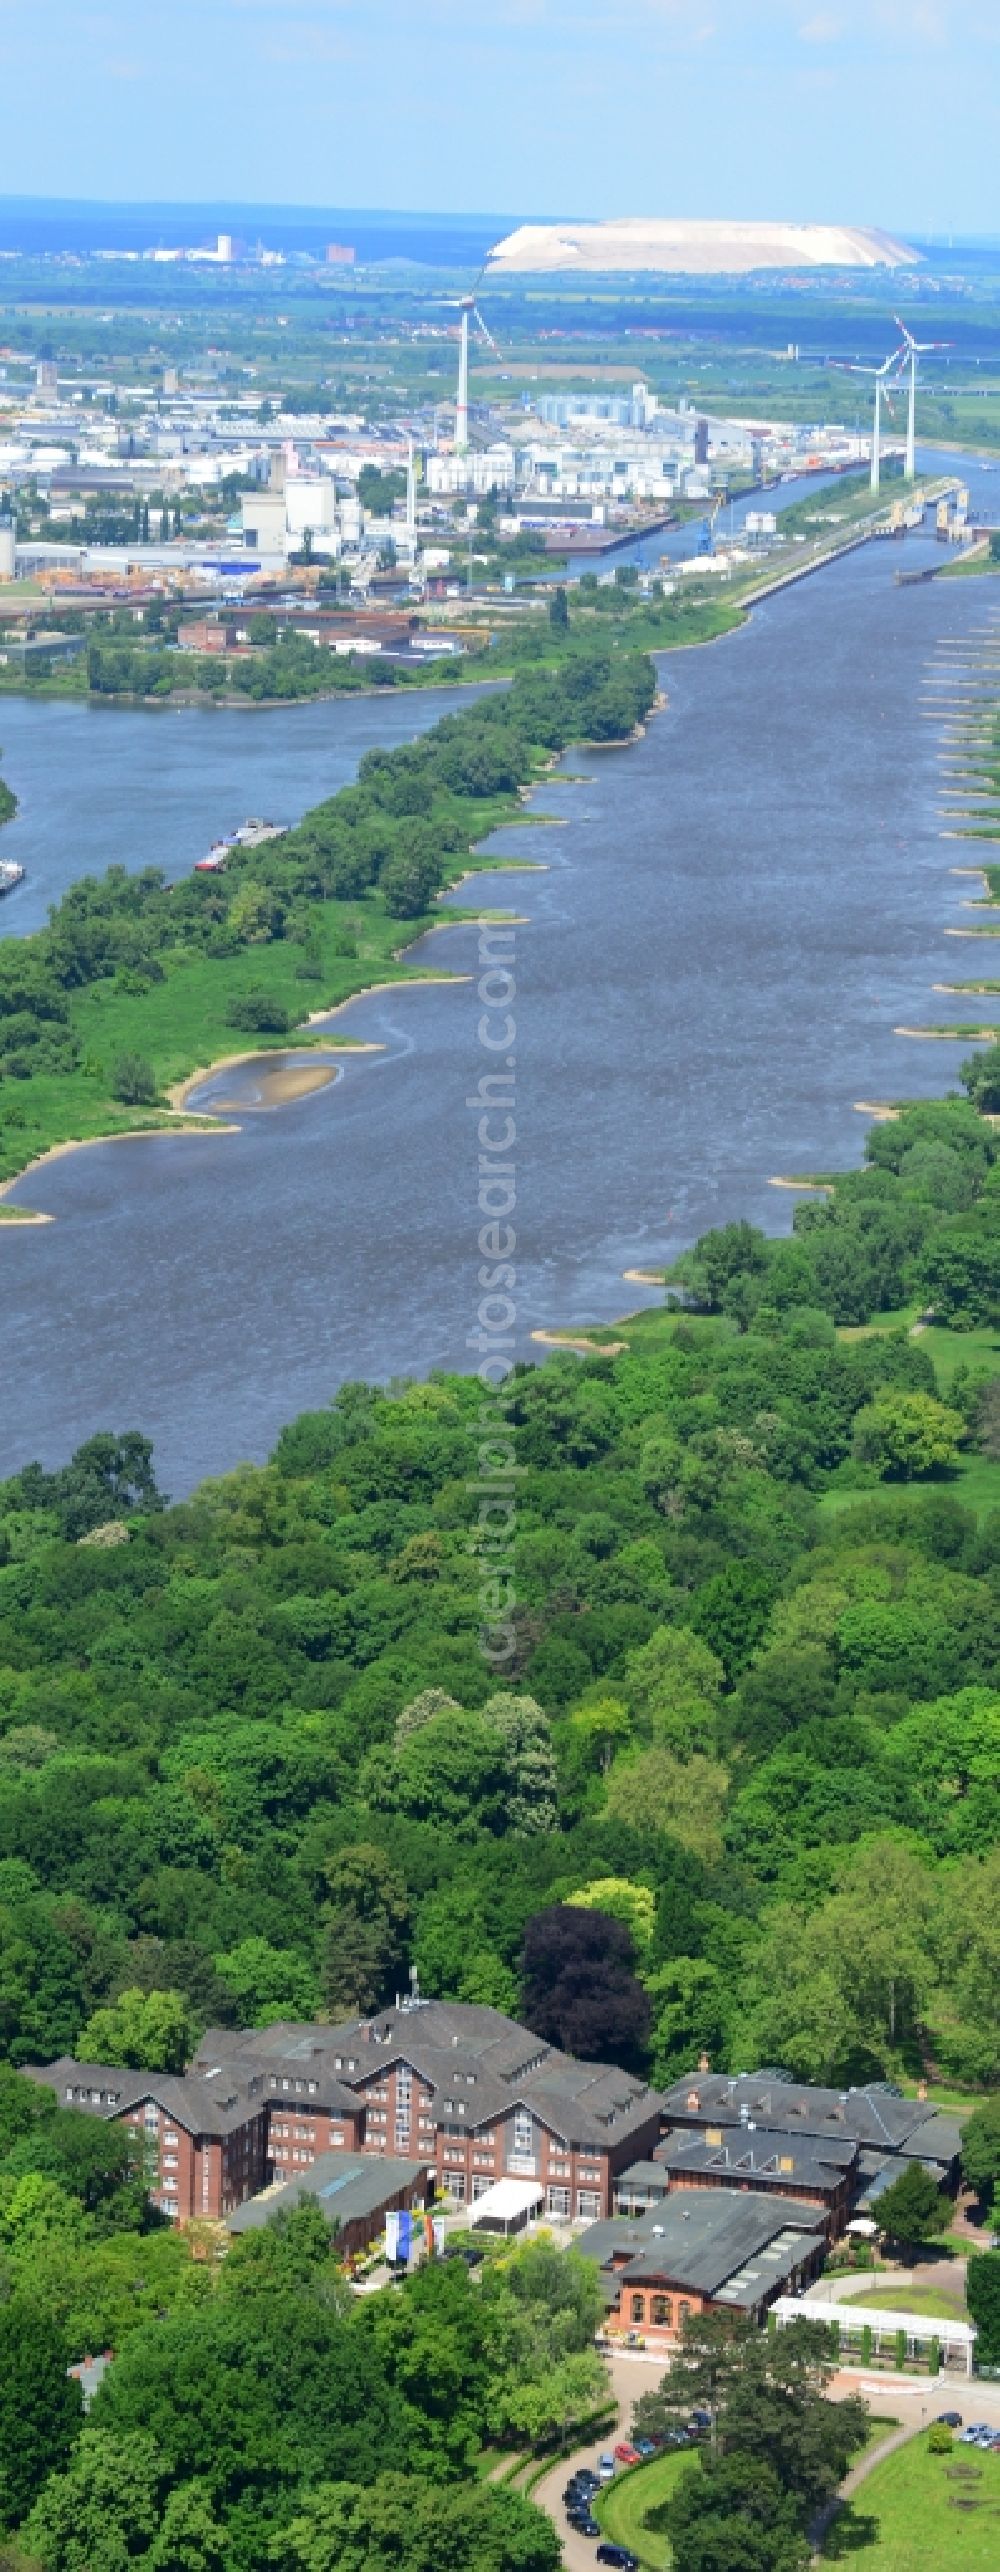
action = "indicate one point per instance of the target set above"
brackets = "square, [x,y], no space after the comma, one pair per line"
[735,915]
[154,786]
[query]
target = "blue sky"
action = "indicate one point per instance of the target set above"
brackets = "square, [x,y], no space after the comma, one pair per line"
[872,111]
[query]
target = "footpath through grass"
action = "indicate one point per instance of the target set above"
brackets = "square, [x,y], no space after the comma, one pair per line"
[923,2513]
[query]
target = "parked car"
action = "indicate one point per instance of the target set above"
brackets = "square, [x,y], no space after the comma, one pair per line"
[618,2555]
[626,2453]
[606,2468]
[700,2421]
[586,2526]
[680,2437]
[949,2419]
[646,2447]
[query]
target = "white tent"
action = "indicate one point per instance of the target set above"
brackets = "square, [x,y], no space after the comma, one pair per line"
[508,2205]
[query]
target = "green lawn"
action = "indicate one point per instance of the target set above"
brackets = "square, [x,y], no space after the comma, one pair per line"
[923,2513]
[889,2297]
[974,1482]
[624,2505]
[948,1350]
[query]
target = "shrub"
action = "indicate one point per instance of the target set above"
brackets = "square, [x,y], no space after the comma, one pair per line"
[260,1012]
[133,1080]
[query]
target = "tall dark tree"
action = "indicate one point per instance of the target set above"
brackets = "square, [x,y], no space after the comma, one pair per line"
[578,1987]
[983,2295]
[766,2392]
[734,2517]
[41,2407]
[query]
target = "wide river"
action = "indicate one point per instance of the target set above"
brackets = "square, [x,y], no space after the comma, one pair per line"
[733,918]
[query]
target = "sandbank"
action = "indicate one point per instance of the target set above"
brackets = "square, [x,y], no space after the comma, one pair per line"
[281,1086]
[583,1347]
[180,1091]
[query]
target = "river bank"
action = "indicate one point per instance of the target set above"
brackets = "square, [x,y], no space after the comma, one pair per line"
[728,870]
[171,1022]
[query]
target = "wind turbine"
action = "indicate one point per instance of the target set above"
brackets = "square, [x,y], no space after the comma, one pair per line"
[910,351]
[878,375]
[469,310]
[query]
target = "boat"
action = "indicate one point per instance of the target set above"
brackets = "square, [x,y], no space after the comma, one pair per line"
[250,834]
[253,832]
[11,875]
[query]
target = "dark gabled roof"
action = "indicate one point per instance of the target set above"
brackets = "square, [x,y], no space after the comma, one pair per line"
[260,2069]
[872,2116]
[484,2064]
[187,2097]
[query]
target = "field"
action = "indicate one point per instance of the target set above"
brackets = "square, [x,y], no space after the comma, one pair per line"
[938,2513]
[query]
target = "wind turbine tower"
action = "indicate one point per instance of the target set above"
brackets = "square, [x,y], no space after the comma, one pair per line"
[911,350]
[411,502]
[462,404]
[878,375]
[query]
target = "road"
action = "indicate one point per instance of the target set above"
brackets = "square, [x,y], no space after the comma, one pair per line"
[629,2378]
[910,2400]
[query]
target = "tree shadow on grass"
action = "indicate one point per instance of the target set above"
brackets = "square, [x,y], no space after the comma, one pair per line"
[853,2530]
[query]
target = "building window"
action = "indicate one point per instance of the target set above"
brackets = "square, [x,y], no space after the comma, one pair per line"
[455,2182]
[683,2311]
[480,2186]
[661,2312]
[588,2203]
[558,2201]
[637,2308]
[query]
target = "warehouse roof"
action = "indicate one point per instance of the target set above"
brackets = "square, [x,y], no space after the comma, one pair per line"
[348,2186]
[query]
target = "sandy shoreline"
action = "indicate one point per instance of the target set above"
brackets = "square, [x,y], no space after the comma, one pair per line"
[180,1091]
[87,1142]
[583,1347]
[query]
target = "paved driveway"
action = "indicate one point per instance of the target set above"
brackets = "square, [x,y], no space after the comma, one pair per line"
[629,2378]
[912,2400]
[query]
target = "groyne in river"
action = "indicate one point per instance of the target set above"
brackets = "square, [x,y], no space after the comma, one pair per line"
[739,911]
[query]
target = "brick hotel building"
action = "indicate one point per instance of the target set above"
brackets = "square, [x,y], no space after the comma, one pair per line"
[462,2089]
